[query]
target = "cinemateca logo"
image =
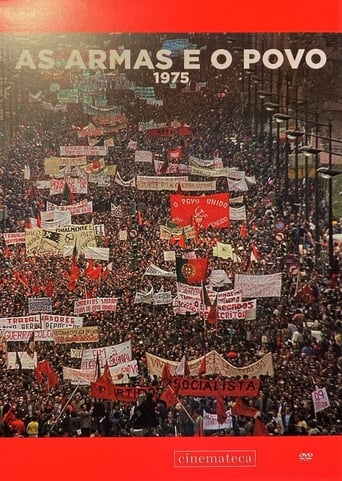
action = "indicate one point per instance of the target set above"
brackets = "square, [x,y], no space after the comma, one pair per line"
[214,459]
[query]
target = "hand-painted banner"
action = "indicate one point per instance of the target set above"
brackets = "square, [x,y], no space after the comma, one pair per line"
[14,238]
[210,210]
[95,304]
[24,336]
[211,172]
[238,213]
[176,232]
[267,285]
[190,186]
[86,376]
[188,386]
[153,270]
[21,323]
[143,156]
[78,150]
[83,377]
[76,353]
[51,219]
[27,362]
[52,241]
[52,165]
[82,207]
[90,131]
[76,335]
[77,185]
[158,183]
[320,399]
[113,355]
[215,364]
[210,421]
[215,163]
[39,304]
[54,321]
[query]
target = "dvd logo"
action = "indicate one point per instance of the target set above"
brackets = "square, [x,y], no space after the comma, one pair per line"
[305,456]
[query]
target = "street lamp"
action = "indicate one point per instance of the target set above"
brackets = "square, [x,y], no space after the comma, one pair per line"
[329,173]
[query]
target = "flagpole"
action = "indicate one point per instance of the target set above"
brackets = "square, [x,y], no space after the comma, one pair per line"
[183,407]
[65,406]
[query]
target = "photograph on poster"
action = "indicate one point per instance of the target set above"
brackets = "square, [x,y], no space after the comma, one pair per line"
[171,241]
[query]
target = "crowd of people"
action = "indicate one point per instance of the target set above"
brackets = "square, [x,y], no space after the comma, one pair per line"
[304,336]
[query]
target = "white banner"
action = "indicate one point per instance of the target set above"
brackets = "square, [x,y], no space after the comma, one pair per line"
[82,207]
[98,253]
[114,355]
[320,399]
[54,321]
[28,323]
[82,150]
[24,336]
[95,304]
[210,421]
[77,185]
[143,156]
[55,218]
[267,285]
[26,361]
[14,238]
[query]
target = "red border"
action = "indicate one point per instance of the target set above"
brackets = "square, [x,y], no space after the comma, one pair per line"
[103,459]
[170,16]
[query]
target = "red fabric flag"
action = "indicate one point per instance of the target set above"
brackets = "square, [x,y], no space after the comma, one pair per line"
[169,396]
[140,218]
[9,416]
[38,375]
[45,368]
[39,220]
[166,375]
[243,231]
[305,295]
[239,408]
[212,314]
[203,367]
[172,241]
[254,253]
[220,410]
[191,271]
[182,241]
[259,428]
[103,387]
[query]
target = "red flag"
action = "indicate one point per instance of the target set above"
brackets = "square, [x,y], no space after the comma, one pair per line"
[212,314]
[38,375]
[166,374]
[305,295]
[203,367]
[103,387]
[220,410]
[259,428]
[9,416]
[45,368]
[172,241]
[182,241]
[169,396]
[254,253]
[243,231]
[239,408]
[140,219]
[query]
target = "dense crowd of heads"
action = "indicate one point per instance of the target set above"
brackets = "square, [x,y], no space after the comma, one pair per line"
[221,126]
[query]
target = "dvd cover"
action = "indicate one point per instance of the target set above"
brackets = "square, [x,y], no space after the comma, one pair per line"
[171,235]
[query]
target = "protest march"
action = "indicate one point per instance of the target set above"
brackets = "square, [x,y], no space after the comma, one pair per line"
[165,269]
